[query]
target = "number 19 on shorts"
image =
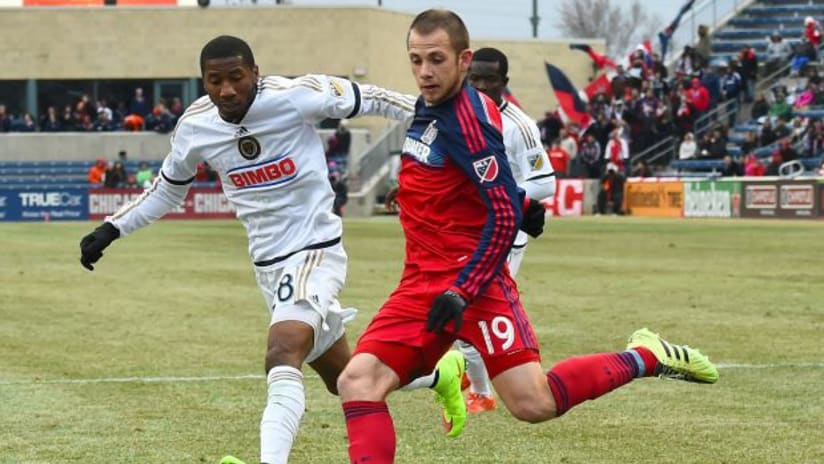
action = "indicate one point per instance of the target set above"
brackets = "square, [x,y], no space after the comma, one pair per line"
[503,331]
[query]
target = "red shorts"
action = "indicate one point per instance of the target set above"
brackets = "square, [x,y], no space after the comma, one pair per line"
[495,324]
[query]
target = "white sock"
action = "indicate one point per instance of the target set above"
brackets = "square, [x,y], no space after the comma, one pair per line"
[427,381]
[281,418]
[475,370]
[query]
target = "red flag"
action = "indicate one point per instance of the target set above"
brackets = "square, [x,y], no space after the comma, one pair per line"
[601,84]
[573,109]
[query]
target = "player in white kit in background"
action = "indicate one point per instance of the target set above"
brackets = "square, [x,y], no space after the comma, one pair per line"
[259,134]
[532,172]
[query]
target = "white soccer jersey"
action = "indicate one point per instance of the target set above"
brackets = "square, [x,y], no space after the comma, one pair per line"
[527,159]
[524,149]
[271,164]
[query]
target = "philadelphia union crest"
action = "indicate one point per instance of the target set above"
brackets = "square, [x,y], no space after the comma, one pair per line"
[486,169]
[248,147]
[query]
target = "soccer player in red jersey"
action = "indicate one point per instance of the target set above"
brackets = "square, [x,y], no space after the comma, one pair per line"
[460,210]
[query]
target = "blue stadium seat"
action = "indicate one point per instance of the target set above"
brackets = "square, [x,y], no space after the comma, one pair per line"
[698,165]
[798,8]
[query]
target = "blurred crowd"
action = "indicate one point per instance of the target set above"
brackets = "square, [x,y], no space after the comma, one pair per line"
[85,115]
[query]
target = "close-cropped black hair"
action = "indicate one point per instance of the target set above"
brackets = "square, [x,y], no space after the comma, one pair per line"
[492,55]
[226,46]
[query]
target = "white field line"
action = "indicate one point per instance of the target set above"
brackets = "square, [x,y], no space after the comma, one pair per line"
[220,378]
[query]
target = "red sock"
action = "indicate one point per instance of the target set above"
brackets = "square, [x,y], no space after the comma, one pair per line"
[650,361]
[582,378]
[371,432]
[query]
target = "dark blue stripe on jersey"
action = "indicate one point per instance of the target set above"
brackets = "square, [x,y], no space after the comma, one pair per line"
[355,111]
[177,182]
[551,174]
[315,246]
[247,166]
[499,194]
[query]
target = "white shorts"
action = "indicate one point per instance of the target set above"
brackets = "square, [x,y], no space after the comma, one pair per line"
[305,288]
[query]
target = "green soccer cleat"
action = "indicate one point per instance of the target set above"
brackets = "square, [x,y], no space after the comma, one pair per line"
[675,361]
[451,368]
[231,460]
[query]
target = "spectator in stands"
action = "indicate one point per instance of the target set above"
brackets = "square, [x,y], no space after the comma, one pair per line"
[688,147]
[813,139]
[144,175]
[160,119]
[813,77]
[753,167]
[775,164]
[69,118]
[138,104]
[731,168]
[619,81]
[683,117]
[698,97]
[640,169]
[176,108]
[341,192]
[5,119]
[767,135]
[703,49]
[781,108]
[569,141]
[559,159]
[550,127]
[116,176]
[133,123]
[97,173]
[25,124]
[590,155]
[85,111]
[612,190]
[749,71]
[786,150]
[205,173]
[812,32]
[715,144]
[343,138]
[750,142]
[712,82]
[686,62]
[778,53]
[803,53]
[781,130]
[51,122]
[104,121]
[617,151]
[760,107]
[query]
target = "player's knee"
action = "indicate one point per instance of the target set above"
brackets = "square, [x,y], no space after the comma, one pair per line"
[361,381]
[533,411]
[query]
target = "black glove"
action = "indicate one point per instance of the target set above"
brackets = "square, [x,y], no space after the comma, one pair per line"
[448,306]
[92,245]
[534,218]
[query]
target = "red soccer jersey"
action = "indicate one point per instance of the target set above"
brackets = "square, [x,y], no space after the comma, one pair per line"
[460,206]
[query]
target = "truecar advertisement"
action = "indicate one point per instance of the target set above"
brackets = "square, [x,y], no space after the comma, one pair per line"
[43,205]
[712,199]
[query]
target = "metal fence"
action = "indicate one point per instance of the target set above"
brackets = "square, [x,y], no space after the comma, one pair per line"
[377,155]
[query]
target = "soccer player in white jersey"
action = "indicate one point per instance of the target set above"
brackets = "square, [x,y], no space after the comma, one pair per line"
[259,134]
[531,170]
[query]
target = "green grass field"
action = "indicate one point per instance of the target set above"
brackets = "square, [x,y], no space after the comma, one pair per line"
[157,356]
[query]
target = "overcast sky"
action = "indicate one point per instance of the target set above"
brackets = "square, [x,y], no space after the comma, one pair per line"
[500,19]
